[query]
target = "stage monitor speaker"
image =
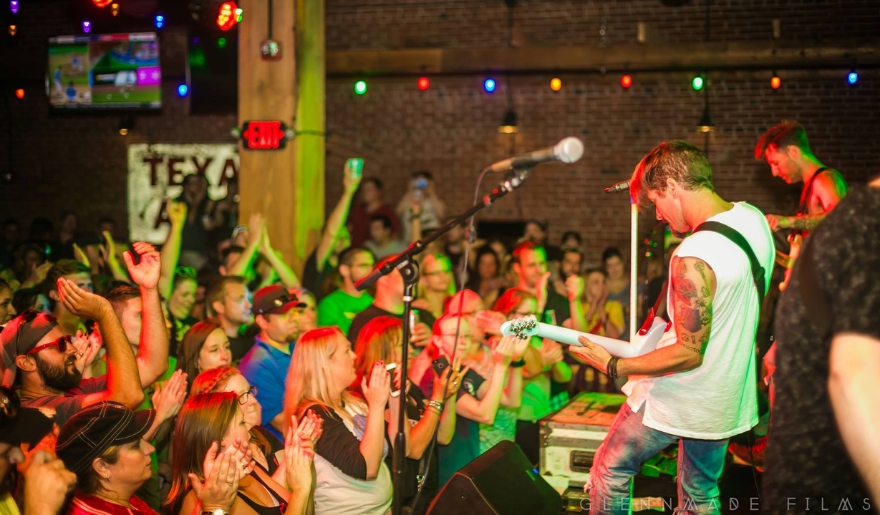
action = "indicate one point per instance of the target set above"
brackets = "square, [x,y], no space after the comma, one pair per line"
[499,482]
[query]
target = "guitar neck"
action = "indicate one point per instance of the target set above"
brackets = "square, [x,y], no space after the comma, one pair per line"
[619,348]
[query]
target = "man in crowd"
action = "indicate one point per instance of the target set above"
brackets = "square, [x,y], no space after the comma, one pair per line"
[39,357]
[340,307]
[228,300]
[382,242]
[389,302]
[431,210]
[321,264]
[80,275]
[265,365]
[698,390]
[530,264]
[536,232]
[824,453]
[371,204]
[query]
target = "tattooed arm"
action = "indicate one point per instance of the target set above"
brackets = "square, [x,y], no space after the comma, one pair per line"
[693,285]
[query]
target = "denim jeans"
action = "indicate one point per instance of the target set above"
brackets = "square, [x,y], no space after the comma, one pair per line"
[630,443]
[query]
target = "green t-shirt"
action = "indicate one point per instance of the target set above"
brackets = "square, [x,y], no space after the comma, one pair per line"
[340,308]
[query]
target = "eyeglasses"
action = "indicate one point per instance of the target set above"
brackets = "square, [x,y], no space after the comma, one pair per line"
[243,398]
[463,336]
[61,343]
[9,403]
[185,271]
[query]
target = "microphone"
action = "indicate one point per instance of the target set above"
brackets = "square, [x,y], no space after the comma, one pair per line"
[620,186]
[568,150]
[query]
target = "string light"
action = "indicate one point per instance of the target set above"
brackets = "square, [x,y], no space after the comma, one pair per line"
[221,43]
[852,77]
[489,85]
[13,6]
[360,87]
[87,26]
[19,93]
[114,8]
[697,83]
[424,83]
[226,18]
[182,90]
[626,81]
[102,3]
[160,21]
[555,84]
[775,81]
[13,30]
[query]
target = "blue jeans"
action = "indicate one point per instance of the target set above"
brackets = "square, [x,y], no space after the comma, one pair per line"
[630,443]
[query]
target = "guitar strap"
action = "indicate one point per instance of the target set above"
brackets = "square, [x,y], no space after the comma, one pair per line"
[758,273]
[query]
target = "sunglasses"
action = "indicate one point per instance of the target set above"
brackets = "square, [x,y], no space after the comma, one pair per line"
[61,343]
[185,271]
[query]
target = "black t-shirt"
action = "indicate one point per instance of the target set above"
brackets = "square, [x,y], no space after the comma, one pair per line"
[319,283]
[372,312]
[239,345]
[415,406]
[806,456]
[558,309]
[179,327]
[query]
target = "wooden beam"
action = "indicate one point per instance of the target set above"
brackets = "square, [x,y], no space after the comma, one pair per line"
[634,57]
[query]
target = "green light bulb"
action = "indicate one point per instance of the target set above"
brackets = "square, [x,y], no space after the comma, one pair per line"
[697,83]
[360,87]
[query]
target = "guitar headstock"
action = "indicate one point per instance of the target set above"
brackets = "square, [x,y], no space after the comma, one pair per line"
[523,327]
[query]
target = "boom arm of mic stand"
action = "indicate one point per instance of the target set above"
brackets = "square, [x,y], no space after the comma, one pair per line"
[513,181]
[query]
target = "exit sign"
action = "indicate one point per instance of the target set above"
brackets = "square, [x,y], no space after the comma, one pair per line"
[263,135]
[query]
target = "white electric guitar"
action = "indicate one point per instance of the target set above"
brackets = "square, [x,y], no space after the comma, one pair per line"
[645,341]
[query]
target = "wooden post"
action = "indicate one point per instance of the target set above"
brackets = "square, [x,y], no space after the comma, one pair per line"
[310,124]
[272,181]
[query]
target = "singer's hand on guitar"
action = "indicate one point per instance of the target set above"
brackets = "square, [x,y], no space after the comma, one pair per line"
[779,222]
[595,355]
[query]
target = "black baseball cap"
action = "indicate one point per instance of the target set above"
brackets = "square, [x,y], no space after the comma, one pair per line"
[274,300]
[94,429]
[19,336]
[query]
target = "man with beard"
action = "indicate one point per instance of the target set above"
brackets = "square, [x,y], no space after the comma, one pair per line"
[39,357]
[228,300]
[265,365]
[340,307]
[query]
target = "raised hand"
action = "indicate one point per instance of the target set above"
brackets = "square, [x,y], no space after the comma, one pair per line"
[574,287]
[421,334]
[255,229]
[46,485]
[265,243]
[81,256]
[349,180]
[449,382]
[551,353]
[167,401]
[37,275]
[87,348]
[490,321]
[298,468]
[176,213]
[379,388]
[80,302]
[778,222]
[108,250]
[145,273]
[241,454]
[502,353]
[309,434]
[222,475]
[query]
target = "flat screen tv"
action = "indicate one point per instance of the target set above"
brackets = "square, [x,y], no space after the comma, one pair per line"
[105,72]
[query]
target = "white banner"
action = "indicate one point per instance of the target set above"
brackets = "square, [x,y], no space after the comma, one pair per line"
[156,172]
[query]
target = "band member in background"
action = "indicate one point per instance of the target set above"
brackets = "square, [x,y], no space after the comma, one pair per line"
[698,386]
[787,151]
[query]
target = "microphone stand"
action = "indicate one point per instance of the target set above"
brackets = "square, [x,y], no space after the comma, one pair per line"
[409,269]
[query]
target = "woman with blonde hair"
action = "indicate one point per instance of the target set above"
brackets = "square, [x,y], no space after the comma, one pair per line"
[381,340]
[217,418]
[204,347]
[352,476]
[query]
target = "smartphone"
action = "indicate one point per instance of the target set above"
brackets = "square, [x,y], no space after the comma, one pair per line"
[356,165]
[390,367]
[440,365]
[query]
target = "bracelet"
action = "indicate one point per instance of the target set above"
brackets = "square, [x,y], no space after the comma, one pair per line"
[611,367]
[437,405]
[518,364]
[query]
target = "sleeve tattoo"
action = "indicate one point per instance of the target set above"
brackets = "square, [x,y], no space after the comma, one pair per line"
[693,305]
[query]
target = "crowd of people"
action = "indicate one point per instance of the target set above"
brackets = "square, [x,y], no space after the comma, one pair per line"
[209,375]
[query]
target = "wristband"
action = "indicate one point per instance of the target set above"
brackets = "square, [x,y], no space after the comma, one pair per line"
[436,405]
[612,367]
[518,364]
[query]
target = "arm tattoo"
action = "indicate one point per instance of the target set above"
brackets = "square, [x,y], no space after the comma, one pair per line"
[693,307]
[808,222]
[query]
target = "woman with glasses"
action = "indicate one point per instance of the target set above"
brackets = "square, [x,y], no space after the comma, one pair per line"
[204,347]
[537,387]
[382,340]
[264,445]
[218,417]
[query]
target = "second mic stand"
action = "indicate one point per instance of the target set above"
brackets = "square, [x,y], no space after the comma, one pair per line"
[409,269]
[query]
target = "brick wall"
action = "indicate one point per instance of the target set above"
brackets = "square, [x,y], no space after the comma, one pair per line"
[79,163]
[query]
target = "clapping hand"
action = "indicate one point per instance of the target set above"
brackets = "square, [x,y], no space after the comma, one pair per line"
[222,475]
[448,383]
[167,401]
[87,348]
[502,353]
[81,303]
[379,387]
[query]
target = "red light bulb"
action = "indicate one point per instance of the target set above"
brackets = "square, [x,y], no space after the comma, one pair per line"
[424,83]
[626,81]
